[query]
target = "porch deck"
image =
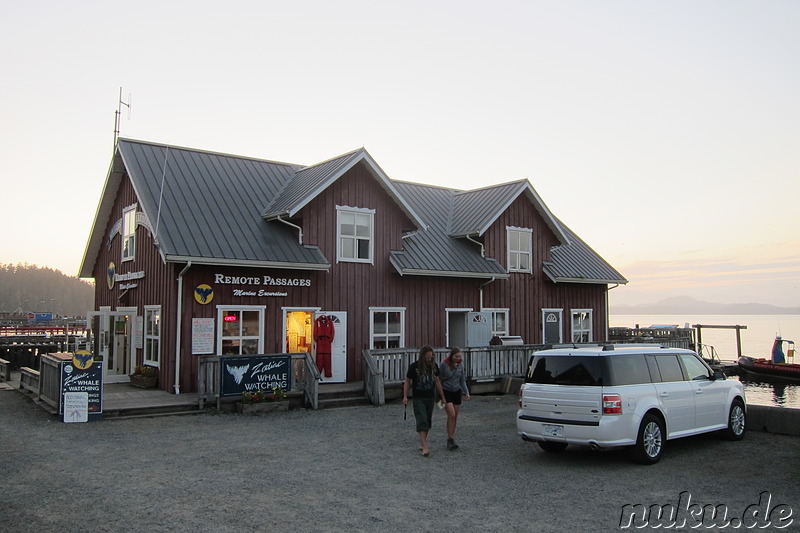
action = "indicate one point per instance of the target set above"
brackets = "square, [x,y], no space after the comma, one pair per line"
[123,400]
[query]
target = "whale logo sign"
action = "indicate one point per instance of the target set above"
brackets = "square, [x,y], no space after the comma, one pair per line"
[203,294]
[111,274]
[237,372]
[82,359]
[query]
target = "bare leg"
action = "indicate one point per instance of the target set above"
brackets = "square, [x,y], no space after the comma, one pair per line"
[451,420]
[423,443]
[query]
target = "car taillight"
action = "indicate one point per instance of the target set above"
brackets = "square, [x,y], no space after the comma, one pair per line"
[520,397]
[612,404]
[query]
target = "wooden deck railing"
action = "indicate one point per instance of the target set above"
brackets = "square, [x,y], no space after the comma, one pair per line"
[305,378]
[389,367]
[50,378]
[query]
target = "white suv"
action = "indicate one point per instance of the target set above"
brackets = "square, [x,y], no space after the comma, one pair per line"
[620,395]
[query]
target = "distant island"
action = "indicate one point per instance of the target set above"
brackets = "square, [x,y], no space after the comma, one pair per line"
[685,305]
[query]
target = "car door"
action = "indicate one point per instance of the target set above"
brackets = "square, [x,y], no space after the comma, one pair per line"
[710,410]
[676,396]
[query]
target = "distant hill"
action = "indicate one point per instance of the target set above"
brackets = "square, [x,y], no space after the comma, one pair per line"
[685,305]
[31,289]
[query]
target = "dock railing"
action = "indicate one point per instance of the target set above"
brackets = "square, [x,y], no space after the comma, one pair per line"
[305,378]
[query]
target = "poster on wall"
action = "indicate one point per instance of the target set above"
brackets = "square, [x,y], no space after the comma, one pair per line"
[202,336]
[139,337]
[255,372]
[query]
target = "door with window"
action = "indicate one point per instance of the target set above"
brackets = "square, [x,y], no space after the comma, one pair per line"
[113,334]
[551,326]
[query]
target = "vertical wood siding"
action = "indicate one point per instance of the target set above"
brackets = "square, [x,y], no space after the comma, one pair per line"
[158,287]
[350,287]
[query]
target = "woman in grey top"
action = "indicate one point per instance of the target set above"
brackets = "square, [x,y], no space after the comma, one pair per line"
[454,383]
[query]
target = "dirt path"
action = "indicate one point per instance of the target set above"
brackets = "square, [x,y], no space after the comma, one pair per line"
[352,469]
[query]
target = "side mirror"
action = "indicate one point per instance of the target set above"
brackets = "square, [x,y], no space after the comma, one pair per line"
[718,374]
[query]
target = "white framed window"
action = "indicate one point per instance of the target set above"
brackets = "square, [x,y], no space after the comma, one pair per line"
[355,229]
[520,244]
[499,322]
[240,329]
[129,233]
[387,327]
[581,325]
[152,335]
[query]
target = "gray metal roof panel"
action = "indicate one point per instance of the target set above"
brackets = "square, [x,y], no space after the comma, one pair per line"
[307,183]
[433,250]
[210,205]
[577,262]
[474,211]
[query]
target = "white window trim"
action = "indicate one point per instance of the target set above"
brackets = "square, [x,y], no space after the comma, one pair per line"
[560,313]
[572,313]
[361,211]
[125,235]
[401,310]
[152,362]
[529,231]
[506,311]
[261,311]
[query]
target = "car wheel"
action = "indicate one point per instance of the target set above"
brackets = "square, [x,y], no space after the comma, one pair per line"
[650,441]
[552,447]
[737,418]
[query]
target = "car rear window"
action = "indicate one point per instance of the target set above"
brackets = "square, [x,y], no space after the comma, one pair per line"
[566,370]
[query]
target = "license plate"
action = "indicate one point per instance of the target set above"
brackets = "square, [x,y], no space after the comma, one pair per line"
[553,431]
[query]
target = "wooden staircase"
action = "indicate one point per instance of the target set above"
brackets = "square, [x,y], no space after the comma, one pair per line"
[333,395]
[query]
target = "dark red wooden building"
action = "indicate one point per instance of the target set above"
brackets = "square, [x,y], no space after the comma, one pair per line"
[196,252]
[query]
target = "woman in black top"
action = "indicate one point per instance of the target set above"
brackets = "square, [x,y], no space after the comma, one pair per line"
[423,378]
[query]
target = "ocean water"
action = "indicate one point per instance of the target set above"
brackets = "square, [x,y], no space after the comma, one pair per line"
[756,341]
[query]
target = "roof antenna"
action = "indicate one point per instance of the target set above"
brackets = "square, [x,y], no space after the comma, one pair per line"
[118,112]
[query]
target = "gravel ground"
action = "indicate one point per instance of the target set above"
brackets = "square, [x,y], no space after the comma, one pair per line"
[354,469]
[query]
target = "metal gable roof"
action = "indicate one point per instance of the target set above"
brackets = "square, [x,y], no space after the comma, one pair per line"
[307,183]
[577,262]
[438,251]
[310,181]
[434,251]
[205,207]
[476,210]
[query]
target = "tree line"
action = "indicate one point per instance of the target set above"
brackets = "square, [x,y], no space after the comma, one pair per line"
[31,289]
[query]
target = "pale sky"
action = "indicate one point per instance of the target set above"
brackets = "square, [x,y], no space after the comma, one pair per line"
[665,134]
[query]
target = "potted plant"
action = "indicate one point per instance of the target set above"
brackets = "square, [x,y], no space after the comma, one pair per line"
[144,377]
[260,401]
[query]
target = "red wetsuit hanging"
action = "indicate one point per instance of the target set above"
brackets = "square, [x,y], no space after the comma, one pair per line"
[323,335]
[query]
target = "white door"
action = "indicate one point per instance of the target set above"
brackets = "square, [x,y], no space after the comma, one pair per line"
[114,341]
[338,346]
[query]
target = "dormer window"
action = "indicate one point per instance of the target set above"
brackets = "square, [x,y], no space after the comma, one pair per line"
[129,233]
[354,232]
[520,244]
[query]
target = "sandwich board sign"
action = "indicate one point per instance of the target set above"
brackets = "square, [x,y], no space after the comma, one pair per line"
[81,388]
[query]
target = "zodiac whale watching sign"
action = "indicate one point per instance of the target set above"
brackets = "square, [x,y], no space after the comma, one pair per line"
[203,294]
